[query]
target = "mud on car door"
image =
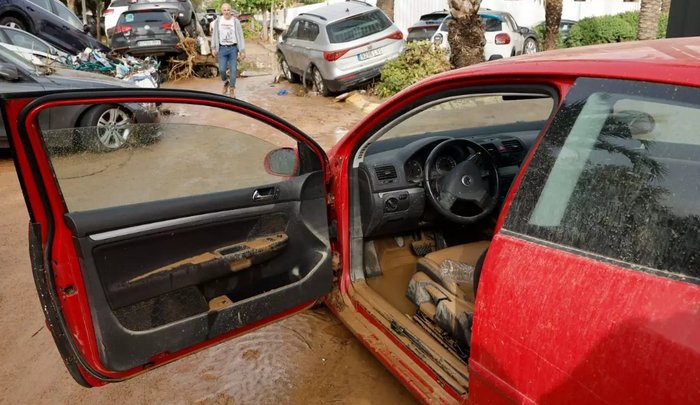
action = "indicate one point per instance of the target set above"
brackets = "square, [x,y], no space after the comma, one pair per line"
[207,222]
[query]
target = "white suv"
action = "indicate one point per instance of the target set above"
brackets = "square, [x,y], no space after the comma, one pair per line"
[339,46]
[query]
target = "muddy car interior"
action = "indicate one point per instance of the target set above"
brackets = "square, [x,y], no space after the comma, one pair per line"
[430,185]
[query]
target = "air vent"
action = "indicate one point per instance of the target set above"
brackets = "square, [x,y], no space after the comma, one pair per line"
[385,173]
[512,145]
[490,148]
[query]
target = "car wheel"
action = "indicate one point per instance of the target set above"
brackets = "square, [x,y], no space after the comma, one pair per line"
[530,46]
[110,126]
[286,71]
[13,22]
[319,82]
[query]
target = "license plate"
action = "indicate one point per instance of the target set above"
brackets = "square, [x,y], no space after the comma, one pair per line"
[149,43]
[369,54]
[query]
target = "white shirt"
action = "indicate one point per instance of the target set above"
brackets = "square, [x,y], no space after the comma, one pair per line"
[227,31]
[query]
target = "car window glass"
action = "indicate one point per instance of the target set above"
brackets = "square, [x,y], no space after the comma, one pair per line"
[8,56]
[617,175]
[473,111]
[308,31]
[512,23]
[118,3]
[293,31]
[144,17]
[45,4]
[25,40]
[68,16]
[358,26]
[108,155]
[491,24]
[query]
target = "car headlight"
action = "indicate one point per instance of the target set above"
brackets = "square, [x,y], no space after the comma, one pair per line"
[437,39]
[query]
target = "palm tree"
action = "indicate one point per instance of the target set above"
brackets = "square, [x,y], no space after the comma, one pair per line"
[649,12]
[552,19]
[466,33]
[387,6]
[665,6]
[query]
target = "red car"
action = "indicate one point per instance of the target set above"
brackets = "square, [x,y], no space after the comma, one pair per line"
[523,231]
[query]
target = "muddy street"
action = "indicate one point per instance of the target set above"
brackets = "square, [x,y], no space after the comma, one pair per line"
[307,358]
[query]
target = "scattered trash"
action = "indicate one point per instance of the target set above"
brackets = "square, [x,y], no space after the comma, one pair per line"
[142,72]
[282,92]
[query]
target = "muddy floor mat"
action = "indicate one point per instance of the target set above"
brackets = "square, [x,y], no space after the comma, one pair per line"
[161,310]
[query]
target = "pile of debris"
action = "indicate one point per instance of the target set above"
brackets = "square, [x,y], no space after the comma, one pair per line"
[142,72]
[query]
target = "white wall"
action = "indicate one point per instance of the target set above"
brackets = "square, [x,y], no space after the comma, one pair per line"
[526,12]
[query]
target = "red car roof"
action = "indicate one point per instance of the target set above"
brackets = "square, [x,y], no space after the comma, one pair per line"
[670,60]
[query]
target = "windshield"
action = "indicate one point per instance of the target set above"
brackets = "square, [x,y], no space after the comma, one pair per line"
[8,56]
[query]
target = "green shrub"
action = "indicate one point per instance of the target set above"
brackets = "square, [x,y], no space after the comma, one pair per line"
[541,32]
[251,29]
[417,61]
[610,28]
[601,30]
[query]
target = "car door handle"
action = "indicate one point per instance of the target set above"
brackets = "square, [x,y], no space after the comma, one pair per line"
[265,194]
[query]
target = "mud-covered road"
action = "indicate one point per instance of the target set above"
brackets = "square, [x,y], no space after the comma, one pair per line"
[306,359]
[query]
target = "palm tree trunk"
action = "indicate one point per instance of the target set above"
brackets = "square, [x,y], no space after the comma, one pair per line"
[552,18]
[466,33]
[665,6]
[387,6]
[649,12]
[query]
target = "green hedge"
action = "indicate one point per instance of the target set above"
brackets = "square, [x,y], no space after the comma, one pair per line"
[610,28]
[417,61]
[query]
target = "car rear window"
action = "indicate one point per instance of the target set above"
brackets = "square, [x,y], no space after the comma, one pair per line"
[617,175]
[421,33]
[144,17]
[491,24]
[118,3]
[356,27]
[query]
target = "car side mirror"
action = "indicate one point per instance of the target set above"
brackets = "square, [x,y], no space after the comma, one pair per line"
[523,30]
[282,162]
[9,72]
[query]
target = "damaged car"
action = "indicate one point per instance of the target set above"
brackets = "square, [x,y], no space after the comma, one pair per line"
[519,231]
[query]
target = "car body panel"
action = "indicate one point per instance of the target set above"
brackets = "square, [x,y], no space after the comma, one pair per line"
[112,13]
[150,33]
[182,10]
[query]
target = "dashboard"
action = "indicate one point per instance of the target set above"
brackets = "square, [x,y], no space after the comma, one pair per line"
[391,176]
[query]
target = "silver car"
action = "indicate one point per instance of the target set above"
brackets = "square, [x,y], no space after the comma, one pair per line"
[339,46]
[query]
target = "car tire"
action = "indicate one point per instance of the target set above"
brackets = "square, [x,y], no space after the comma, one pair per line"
[319,82]
[13,22]
[530,46]
[286,71]
[105,128]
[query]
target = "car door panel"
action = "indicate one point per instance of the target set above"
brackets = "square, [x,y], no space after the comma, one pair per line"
[144,283]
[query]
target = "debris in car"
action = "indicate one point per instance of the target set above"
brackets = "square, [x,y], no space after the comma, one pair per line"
[142,72]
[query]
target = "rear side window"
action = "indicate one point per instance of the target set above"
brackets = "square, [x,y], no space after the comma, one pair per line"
[308,31]
[144,17]
[617,175]
[357,27]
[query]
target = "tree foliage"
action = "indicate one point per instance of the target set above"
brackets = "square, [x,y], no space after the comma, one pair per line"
[611,28]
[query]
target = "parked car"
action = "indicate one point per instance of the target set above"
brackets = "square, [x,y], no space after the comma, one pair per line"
[340,46]
[511,232]
[51,21]
[110,121]
[426,26]
[112,13]
[504,38]
[182,10]
[145,33]
[33,49]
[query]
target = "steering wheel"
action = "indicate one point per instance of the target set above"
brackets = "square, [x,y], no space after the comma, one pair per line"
[474,180]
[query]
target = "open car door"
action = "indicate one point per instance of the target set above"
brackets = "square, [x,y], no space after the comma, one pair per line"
[162,222]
